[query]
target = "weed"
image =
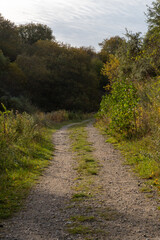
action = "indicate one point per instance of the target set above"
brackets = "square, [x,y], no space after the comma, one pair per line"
[149,195]
[79,196]
[146,190]
[80,229]
[80,218]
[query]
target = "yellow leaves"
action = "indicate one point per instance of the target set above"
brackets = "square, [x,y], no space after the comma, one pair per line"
[110,68]
[107,87]
[156,182]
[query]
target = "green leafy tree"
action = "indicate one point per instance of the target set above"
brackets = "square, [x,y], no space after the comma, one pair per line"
[110,46]
[153,16]
[62,77]
[152,38]
[9,39]
[31,33]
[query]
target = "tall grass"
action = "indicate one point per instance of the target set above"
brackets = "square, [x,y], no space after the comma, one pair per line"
[60,116]
[25,149]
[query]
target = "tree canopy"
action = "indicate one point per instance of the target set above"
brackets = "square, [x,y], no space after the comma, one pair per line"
[49,74]
[31,33]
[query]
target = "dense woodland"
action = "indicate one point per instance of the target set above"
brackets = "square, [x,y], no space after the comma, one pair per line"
[36,70]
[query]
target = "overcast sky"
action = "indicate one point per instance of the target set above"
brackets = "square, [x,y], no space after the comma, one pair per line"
[80,22]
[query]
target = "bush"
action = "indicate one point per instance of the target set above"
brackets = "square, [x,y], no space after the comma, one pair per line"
[120,107]
[16,131]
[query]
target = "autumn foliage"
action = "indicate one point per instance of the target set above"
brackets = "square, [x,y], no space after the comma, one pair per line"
[132,102]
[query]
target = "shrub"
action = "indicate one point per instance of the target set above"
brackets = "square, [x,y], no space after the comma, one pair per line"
[16,130]
[120,106]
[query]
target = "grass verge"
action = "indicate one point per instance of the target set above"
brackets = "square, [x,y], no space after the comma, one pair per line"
[141,154]
[17,179]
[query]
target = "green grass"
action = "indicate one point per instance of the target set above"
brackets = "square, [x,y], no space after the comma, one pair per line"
[86,187]
[79,196]
[19,176]
[87,164]
[79,229]
[79,218]
[146,189]
[140,153]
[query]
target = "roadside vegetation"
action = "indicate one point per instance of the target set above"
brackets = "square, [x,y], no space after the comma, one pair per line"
[26,149]
[130,110]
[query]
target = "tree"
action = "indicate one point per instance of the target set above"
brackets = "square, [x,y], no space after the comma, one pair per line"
[9,39]
[153,16]
[31,33]
[152,38]
[110,68]
[110,46]
[61,77]
[37,78]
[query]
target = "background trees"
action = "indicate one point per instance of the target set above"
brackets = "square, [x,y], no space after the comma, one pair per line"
[31,33]
[9,39]
[133,71]
[48,74]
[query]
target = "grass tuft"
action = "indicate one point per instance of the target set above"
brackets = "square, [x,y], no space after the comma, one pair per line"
[80,218]
[80,229]
[79,196]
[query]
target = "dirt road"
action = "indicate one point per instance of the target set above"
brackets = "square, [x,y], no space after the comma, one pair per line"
[47,209]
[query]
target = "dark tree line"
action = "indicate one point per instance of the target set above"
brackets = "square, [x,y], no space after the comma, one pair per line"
[37,70]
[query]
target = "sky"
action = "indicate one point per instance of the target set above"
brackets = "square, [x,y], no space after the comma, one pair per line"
[80,22]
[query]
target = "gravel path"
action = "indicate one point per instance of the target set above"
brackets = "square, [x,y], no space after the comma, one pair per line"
[137,216]
[45,214]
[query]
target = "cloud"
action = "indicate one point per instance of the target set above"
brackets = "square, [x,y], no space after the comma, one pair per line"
[80,22]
